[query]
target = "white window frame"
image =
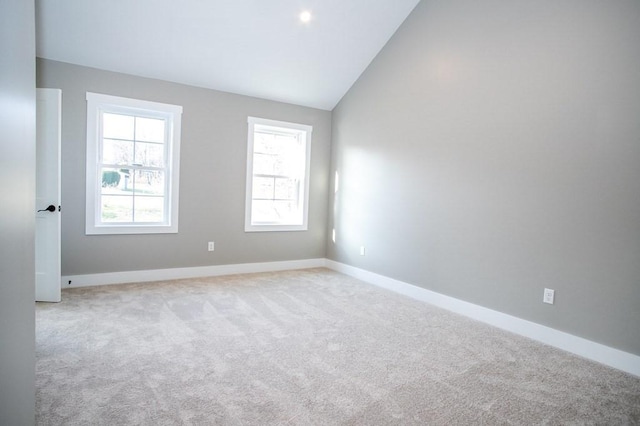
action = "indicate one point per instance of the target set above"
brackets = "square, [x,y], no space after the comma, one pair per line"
[96,105]
[282,126]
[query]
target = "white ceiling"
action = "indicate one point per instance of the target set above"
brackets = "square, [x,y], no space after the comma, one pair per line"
[252,47]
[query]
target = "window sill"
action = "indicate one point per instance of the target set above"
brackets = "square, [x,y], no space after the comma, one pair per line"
[131,230]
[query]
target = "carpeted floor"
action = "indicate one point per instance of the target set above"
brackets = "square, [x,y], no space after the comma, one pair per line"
[310,347]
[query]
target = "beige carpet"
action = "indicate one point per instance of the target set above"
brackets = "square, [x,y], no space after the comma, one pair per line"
[309,347]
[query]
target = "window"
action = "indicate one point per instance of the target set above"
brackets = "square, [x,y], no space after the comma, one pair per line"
[277,176]
[133,158]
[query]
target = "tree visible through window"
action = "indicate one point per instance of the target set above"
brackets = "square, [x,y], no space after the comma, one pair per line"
[132,165]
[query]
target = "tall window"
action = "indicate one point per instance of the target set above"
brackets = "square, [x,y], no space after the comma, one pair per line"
[133,157]
[277,175]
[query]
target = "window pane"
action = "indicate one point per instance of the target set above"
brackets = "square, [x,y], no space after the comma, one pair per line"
[288,212]
[263,164]
[150,129]
[263,188]
[149,182]
[262,211]
[117,126]
[111,180]
[280,155]
[273,143]
[267,211]
[149,154]
[284,143]
[116,208]
[149,209]
[117,151]
[262,143]
[117,181]
[286,189]
[283,165]
[126,183]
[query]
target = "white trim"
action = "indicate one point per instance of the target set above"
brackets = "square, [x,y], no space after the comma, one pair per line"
[606,355]
[110,278]
[286,128]
[98,103]
[132,103]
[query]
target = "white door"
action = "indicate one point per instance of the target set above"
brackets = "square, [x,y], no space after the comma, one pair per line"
[47,254]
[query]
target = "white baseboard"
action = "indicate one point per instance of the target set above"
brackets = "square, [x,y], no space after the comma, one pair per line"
[75,281]
[606,355]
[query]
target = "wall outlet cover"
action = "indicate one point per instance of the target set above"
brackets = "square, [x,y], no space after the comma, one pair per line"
[548,296]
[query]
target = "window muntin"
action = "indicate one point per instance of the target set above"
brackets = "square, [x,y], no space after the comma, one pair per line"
[277,175]
[132,165]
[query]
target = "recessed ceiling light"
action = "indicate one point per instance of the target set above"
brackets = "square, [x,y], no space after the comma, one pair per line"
[305,16]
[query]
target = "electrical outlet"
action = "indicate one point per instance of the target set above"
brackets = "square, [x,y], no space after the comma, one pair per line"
[362,251]
[548,296]
[211,246]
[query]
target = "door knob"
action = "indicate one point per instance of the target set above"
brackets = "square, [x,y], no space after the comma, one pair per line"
[51,209]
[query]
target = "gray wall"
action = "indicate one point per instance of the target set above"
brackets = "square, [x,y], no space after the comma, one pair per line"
[212,178]
[493,149]
[17,215]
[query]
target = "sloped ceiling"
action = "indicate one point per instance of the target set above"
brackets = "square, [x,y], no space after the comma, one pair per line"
[251,47]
